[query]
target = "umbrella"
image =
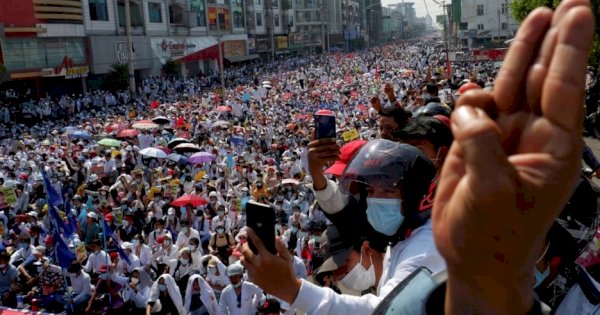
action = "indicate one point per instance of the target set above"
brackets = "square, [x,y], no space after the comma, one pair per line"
[109,142]
[220,123]
[201,157]
[185,200]
[165,149]
[80,134]
[288,181]
[224,108]
[69,129]
[161,120]
[128,133]
[144,124]
[154,153]
[186,147]
[177,158]
[177,141]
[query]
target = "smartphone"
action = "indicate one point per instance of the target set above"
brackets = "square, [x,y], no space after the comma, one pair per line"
[261,218]
[324,124]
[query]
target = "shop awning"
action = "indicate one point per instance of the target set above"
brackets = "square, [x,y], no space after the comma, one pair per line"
[233,59]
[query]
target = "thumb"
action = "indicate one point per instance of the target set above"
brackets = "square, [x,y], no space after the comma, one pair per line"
[480,141]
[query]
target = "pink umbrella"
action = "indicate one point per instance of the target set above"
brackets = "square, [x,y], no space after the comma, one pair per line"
[224,109]
[185,200]
[128,133]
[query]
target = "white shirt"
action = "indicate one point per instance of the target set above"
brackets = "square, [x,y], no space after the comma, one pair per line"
[251,295]
[183,240]
[95,261]
[400,261]
[144,253]
[82,284]
[299,268]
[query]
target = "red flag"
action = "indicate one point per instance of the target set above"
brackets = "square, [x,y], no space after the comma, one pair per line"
[180,122]
[448,69]
[154,105]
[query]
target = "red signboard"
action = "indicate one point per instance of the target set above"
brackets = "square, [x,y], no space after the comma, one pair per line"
[17,13]
[490,54]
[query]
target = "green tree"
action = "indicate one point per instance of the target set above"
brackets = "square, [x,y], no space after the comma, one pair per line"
[117,78]
[171,68]
[520,9]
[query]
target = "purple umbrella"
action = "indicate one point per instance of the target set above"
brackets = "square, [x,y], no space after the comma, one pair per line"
[201,157]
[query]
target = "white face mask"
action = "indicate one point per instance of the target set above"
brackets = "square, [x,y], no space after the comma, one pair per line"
[359,278]
[135,280]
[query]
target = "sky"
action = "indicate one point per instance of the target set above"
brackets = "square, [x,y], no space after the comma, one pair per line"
[419,6]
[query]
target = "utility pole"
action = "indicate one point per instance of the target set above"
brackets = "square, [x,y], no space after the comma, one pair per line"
[221,68]
[129,48]
[272,15]
[322,26]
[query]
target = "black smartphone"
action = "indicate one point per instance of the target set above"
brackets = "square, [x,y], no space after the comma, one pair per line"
[261,218]
[324,125]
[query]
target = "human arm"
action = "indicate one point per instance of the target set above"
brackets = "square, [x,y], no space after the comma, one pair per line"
[528,135]
[223,305]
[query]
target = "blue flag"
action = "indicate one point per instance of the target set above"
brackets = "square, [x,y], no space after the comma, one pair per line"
[71,216]
[63,254]
[65,228]
[108,233]
[54,198]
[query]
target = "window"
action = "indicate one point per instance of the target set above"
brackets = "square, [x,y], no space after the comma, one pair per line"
[504,26]
[275,4]
[259,19]
[176,13]
[154,12]
[197,7]
[135,14]
[257,2]
[98,11]
[480,9]
[480,27]
[504,8]
[276,20]
[238,13]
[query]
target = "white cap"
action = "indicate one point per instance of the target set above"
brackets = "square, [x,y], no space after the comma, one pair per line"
[93,177]
[92,215]
[126,245]
[171,211]
[213,194]
[32,214]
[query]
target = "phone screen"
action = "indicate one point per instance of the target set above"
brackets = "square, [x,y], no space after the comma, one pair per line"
[261,218]
[324,126]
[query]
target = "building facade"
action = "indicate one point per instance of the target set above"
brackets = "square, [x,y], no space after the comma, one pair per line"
[484,21]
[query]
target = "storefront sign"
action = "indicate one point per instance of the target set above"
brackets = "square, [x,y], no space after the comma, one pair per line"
[235,48]
[282,42]
[77,72]
[350,135]
[174,48]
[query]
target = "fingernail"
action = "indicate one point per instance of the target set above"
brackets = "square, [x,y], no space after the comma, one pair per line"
[462,115]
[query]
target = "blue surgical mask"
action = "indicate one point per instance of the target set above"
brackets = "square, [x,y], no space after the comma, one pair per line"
[385,215]
[162,287]
[104,276]
[23,245]
[294,229]
[540,276]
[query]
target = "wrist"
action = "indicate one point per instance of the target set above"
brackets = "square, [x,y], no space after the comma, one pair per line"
[290,292]
[485,294]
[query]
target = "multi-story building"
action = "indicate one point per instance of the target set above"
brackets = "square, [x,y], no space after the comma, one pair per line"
[270,22]
[43,44]
[49,41]
[405,12]
[485,20]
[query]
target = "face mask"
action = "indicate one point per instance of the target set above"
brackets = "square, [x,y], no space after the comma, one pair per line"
[162,287]
[40,269]
[184,261]
[302,234]
[237,285]
[317,239]
[23,245]
[359,278]
[294,229]
[296,213]
[156,199]
[135,243]
[280,198]
[220,231]
[385,215]
[104,276]
[193,248]
[135,280]
[212,271]
[220,213]
[196,292]
[171,217]
[167,243]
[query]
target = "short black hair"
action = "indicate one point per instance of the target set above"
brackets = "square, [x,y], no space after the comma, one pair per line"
[399,114]
[427,128]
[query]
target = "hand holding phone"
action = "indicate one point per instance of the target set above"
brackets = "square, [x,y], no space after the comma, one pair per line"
[261,219]
[325,124]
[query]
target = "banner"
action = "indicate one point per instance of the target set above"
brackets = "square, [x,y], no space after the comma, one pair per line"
[8,197]
[350,135]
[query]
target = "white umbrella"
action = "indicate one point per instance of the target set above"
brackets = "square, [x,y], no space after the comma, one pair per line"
[186,147]
[154,153]
[220,123]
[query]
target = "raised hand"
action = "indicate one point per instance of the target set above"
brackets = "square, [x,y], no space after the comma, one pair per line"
[514,163]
